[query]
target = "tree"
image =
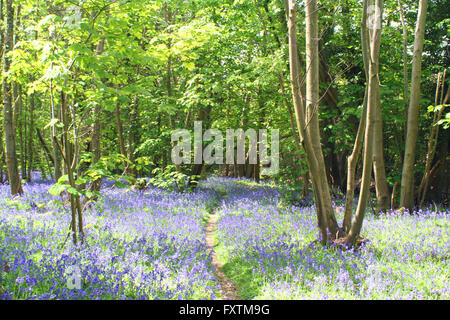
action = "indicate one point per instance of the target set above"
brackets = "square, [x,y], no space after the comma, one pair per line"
[10,135]
[308,124]
[306,111]
[372,104]
[407,185]
[353,159]
[381,184]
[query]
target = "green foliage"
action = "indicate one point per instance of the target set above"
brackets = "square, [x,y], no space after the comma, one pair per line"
[166,64]
[170,178]
[105,168]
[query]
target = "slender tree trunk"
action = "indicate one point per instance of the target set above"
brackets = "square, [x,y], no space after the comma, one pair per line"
[30,138]
[45,147]
[432,141]
[57,163]
[443,182]
[405,63]
[352,162]
[407,186]
[20,125]
[96,130]
[353,159]
[41,158]
[2,161]
[96,145]
[281,82]
[394,193]
[133,135]
[381,184]
[2,158]
[10,136]
[68,155]
[120,130]
[19,114]
[312,110]
[373,96]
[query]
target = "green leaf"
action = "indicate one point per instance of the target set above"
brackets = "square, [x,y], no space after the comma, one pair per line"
[73,191]
[57,188]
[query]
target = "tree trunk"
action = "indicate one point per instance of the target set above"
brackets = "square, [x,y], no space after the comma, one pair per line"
[281,77]
[120,130]
[2,159]
[308,124]
[57,163]
[18,112]
[30,138]
[19,125]
[405,63]
[10,136]
[353,159]
[45,147]
[69,164]
[373,96]
[96,145]
[407,186]
[312,111]
[381,184]
[443,183]
[432,141]
[133,135]
[96,130]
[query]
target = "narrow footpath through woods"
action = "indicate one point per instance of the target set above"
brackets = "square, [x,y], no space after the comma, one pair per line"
[229,290]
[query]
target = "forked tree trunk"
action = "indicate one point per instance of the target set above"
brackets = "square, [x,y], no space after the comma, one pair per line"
[407,186]
[373,96]
[307,124]
[68,156]
[312,111]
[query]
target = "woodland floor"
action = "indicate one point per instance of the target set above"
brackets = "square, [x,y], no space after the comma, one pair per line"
[229,239]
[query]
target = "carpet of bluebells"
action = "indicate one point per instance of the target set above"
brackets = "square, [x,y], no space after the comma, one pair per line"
[151,245]
[270,252]
[139,245]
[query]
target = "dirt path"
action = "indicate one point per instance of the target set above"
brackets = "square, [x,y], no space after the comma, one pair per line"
[228,288]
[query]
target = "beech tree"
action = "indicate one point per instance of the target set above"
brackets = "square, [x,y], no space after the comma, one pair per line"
[407,185]
[306,107]
[308,124]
